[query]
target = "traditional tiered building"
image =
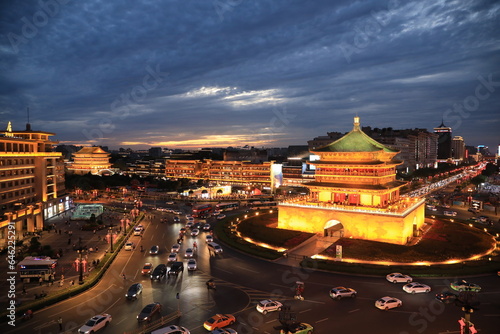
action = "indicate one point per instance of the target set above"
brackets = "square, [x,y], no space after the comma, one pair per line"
[90,160]
[355,194]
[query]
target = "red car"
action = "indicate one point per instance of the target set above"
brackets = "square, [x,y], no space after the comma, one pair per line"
[146,270]
[219,321]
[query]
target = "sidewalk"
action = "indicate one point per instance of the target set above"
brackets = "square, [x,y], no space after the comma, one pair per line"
[66,237]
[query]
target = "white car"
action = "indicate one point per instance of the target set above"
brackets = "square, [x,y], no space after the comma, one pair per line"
[399,278]
[416,288]
[450,213]
[221,216]
[209,238]
[169,203]
[268,305]
[340,292]
[129,246]
[189,253]
[224,331]
[95,323]
[195,232]
[191,265]
[206,227]
[178,212]
[387,302]
[172,257]
[189,224]
[172,329]
[175,248]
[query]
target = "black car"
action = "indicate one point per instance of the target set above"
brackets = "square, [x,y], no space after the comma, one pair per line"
[159,272]
[176,268]
[149,311]
[446,297]
[154,250]
[134,290]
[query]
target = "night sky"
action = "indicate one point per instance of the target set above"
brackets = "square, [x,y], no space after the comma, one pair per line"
[188,74]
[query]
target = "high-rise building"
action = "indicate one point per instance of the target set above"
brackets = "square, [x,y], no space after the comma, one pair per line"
[156,152]
[444,141]
[458,148]
[31,182]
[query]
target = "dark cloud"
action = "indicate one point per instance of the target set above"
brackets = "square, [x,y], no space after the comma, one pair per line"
[272,72]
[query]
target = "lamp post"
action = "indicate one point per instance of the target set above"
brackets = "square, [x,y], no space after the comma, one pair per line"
[80,267]
[111,239]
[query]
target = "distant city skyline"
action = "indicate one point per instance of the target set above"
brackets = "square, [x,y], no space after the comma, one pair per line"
[260,73]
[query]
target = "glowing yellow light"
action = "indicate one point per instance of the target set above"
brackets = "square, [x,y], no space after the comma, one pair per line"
[256,213]
[471,225]
[246,216]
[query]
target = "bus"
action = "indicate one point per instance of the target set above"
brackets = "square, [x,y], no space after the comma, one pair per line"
[227,206]
[36,267]
[202,211]
[263,205]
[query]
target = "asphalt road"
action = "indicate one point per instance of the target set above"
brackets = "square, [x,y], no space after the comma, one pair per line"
[243,280]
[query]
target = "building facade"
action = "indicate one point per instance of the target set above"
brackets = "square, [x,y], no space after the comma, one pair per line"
[444,141]
[265,175]
[31,181]
[355,194]
[458,148]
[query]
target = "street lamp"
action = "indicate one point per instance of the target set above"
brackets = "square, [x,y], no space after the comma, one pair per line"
[80,266]
[111,238]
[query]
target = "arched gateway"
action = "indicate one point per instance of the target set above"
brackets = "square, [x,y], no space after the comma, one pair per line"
[333,228]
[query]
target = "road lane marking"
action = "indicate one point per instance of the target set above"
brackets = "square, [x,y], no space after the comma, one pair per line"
[106,311]
[44,325]
[229,272]
[304,311]
[314,301]
[354,310]
[253,271]
[321,320]
[268,322]
[402,312]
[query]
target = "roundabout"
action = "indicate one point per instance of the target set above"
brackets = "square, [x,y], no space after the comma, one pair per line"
[446,247]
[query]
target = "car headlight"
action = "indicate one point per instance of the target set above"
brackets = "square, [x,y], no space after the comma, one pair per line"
[134,295]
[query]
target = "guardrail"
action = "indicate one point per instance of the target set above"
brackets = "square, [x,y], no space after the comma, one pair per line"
[157,323]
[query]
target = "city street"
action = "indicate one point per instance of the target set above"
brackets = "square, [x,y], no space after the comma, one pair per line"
[242,281]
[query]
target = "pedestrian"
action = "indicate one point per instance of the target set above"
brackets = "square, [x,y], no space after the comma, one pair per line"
[123,275]
[40,280]
[97,262]
[59,321]
[24,290]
